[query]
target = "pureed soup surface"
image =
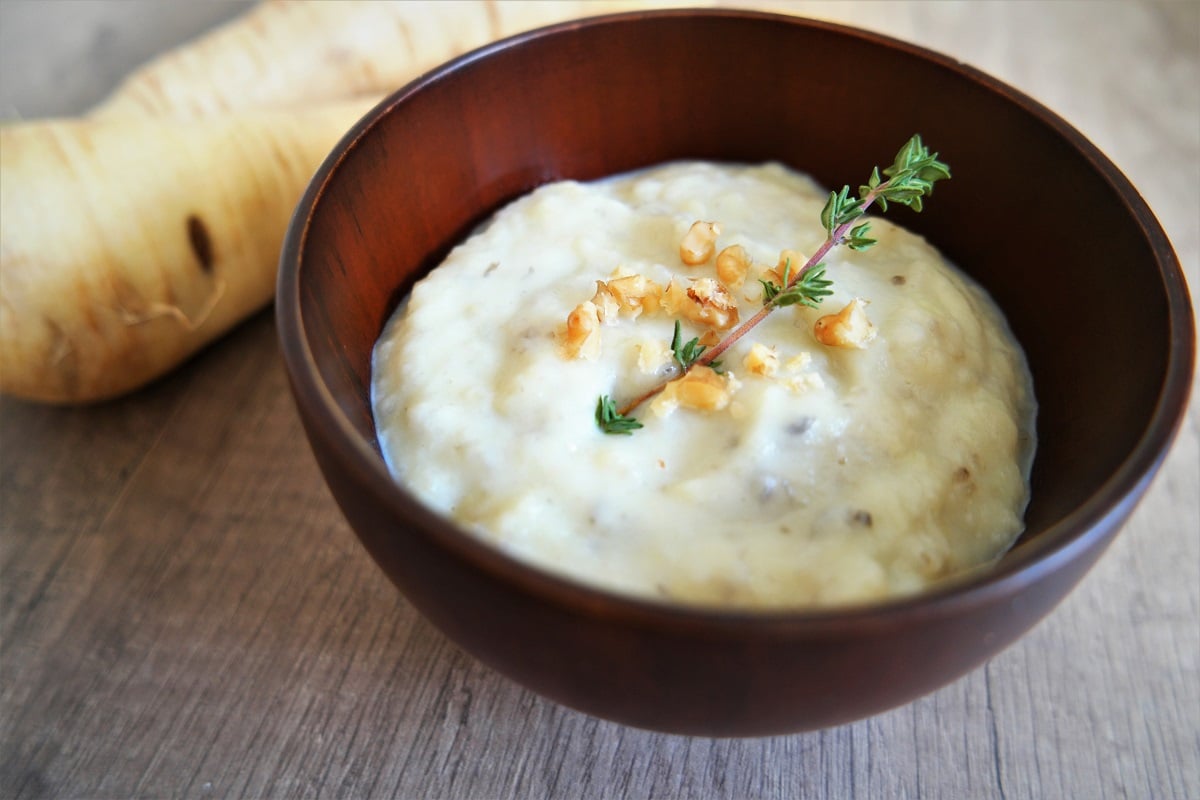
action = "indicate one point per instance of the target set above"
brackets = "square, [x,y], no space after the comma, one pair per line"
[830,475]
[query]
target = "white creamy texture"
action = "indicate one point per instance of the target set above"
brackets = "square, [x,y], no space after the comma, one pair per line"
[849,476]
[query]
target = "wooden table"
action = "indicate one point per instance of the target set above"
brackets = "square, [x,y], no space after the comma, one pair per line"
[185,612]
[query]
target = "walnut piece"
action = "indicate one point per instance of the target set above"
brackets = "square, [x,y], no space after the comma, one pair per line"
[636,294]
[732,265]
[761,360]
[705,301]
[581,338]
[628,294]
[699,243]
[702,388]
[848,328]
[653,355]
[607,305]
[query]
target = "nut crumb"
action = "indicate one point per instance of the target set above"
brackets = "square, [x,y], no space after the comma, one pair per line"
[791,262]
[699,243]
[806,382]
[607,306]
[705,301]
[629,294]
[761,360]
[732,265]
[636,294]
[798,362]
[581,338]
[848,328]
[653,355]
[702,388]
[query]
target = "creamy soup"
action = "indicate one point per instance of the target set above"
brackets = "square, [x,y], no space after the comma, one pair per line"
[818,475]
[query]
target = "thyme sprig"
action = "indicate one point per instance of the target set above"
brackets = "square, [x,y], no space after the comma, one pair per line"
[808,291]
[686,354]
[610,420]
[909,179]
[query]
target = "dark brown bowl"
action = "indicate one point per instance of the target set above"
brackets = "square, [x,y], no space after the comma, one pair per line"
[1035,213]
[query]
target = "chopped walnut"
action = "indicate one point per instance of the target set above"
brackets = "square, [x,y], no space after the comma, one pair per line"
[636,294]
[702,388]
[581,338]
[653,355]
[732,265]
[716,306]
[706,301]
[699,243]
[761,360]
[848,328]
[607,305]
[798,361]
[674,298]
[805,382]
[799,380]
[627,292]
[774,275]
[790,262]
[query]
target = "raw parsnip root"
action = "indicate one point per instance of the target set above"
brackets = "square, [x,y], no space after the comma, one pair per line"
[130,240]
[126,245]
[288,52]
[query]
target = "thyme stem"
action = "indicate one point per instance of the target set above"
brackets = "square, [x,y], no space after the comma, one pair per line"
[732,338]
[737,333]
[910,178]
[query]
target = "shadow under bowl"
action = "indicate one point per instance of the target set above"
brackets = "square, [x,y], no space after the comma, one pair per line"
[1035,213]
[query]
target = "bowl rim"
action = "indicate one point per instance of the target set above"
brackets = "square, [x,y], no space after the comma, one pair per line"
[1087,526]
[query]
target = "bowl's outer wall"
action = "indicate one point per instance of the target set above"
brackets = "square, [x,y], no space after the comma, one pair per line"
[1027,213]
[683,673]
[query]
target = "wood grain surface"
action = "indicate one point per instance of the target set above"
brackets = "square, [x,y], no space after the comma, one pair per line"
[184,613]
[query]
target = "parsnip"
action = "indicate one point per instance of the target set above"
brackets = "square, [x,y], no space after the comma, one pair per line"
[131,239]
[284,52]
[126,245]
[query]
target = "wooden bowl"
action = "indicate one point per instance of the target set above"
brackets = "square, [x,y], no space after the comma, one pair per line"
[1034,212]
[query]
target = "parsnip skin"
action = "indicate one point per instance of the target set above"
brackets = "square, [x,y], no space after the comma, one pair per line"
[284,52]
[127,245]
[130,239]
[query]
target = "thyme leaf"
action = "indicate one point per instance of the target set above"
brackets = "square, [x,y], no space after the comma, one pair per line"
[808,290]
[841,209]
[857,239]
[909,179]
[609,420]
[687,354]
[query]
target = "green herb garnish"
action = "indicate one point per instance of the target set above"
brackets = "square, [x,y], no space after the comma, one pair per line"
[809,290]
[610,420]
[686,354]
[909,180]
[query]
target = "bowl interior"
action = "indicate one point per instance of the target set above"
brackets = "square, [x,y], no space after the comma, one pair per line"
[1034,212]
